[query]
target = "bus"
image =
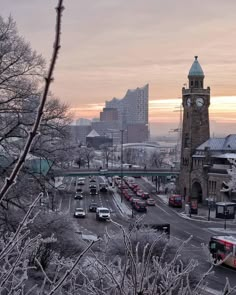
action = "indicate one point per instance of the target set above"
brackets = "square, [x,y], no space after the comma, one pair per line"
[223,248]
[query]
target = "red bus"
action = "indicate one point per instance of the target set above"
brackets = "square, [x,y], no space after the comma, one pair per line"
[223,248]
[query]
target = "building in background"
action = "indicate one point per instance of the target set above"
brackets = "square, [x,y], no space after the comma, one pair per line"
[133,111]
[109,114]
[93,139]
[83,122]
[79,133]
[137,133]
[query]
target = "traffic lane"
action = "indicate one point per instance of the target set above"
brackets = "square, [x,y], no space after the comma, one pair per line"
[181,229]
[89,223]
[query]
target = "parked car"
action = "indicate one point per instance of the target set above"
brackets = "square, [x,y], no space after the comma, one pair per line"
[136,188]
[79,212]
[78,196]
[145,195]
[139,193]
[133,200]
[93,207]
[103,213]
[140,206]
[92,180]
[175,201]
[150,202]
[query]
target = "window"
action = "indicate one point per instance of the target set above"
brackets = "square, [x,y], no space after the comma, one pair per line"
[196,84]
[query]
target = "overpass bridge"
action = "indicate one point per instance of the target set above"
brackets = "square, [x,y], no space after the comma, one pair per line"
[82,172]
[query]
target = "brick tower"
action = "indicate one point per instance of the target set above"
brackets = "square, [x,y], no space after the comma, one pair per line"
[195,129]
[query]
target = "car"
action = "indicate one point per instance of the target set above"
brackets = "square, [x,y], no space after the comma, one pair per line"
[145,196]
[93,191]
[81,181]
[103,213]
[136,188]
[139,193]
[103,187]
[150,202]
[93,185]
[130,196]
[140,206]
[93,207]
[61,187]
[78,196]
[79,190]
[92,180]
[175,201]
[133,200]
[79,212]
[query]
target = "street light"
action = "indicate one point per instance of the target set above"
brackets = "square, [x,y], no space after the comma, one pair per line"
[121,166]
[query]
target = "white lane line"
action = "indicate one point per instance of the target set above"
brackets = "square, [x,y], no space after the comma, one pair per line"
[195,246]
[162,209]
[187,233]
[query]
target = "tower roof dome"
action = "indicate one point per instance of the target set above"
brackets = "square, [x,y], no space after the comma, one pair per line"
[196,69]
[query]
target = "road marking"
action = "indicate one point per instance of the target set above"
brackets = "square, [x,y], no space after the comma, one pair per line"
[195,246]
[187,233]
[162,209]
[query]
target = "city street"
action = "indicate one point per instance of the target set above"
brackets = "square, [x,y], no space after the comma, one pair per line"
[180,228]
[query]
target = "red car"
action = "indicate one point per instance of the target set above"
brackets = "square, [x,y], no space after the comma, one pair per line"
[175,201]
[140,206]
[139,193]
[133,200]
[145,196]
[136,188]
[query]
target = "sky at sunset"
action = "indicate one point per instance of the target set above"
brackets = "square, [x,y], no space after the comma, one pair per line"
[109,46]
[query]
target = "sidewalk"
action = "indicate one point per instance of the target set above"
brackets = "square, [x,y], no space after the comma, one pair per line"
[202,216]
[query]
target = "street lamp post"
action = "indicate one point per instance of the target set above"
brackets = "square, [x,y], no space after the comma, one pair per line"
[121,164]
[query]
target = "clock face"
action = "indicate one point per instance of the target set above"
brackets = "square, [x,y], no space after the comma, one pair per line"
[199,102]
[189,102]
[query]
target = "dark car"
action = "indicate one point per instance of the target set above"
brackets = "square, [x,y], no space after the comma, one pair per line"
[175,201]
[140,206]
[93,207]
[78,196]
[79,190]
[93,191]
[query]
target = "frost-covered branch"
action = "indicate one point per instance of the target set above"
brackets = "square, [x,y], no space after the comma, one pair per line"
[34,132]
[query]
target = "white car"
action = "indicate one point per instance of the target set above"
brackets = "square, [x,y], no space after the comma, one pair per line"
[79,212]
[81,181]
[103,213]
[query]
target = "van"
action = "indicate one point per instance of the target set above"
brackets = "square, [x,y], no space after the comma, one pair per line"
[175,201]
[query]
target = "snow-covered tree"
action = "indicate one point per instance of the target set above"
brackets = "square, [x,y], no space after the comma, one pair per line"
[232,172]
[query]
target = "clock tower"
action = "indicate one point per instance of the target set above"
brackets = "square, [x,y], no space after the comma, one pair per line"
[195,128]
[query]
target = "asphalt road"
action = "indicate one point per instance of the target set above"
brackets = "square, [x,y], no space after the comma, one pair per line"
[181,229]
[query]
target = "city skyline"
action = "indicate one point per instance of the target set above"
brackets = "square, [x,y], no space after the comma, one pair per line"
[111,46]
